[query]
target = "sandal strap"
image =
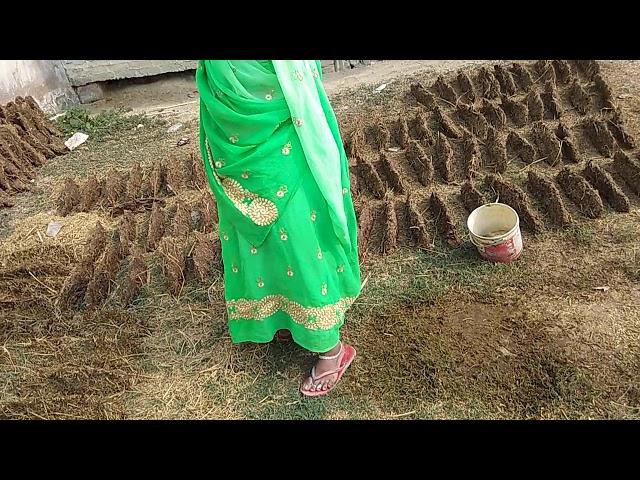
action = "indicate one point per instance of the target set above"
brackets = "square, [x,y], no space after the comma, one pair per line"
[314,379]
[332,357]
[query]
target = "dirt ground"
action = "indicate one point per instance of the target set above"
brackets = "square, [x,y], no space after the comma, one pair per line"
[440,333]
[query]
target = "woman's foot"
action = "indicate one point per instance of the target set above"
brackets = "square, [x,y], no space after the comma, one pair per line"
[328,370]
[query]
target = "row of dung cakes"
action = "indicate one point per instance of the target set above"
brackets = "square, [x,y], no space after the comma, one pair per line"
[27,139]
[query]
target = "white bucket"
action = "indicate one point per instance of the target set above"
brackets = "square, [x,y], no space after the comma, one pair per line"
[494,229]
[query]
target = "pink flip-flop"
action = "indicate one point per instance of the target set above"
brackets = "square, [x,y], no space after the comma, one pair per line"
[347,360]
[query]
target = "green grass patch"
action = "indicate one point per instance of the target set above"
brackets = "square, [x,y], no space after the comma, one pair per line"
[421,278]
[581,235]
[105,124]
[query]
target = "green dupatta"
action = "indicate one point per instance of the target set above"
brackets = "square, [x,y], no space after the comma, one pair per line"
[253,113]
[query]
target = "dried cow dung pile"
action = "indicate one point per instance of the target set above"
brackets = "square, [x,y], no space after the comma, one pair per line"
[27,140]
[90,193]
[589,68]
[443,158]
[494,114]
[135,190]
[173,255]
[608,188]
[381,135]
[354,142]
[417,225]
[134,184]
[105,272]
[176,175]
[423,96]
[156,226]
[198,176]
[604,91]
[497,150]
[517,111]
[115,187]
[549,196]
[466,87]
[391,172]
[158,180]
[182,220]
[121,254]
[479,122]
[470,155]
[551,100]
[520,147]
[69,197]
[489,85]
[207,255]
[135,278]
[366,218]
[421,129]
[628,169]
[569,145]
[474,119]
[445,124]
[471,197]
[390,233]
[445,90]
[505,79]
[371,178]
[75,287]
[402,132]
[600,136]
[581,193]
[128,231]
[522,76]
[547,143]
[564,72]
[545,71]
[579,98]
[420,162]
[209,212]
[535,106]
[443,220]
[18,161]
[617,128]
[512,195]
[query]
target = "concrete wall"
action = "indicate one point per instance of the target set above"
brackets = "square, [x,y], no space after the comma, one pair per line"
[58,84]
[83,72]
[45,80]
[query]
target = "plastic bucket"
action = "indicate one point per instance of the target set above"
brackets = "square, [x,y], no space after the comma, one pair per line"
[494,229]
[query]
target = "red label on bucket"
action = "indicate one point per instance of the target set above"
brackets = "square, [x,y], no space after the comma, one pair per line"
[505,252]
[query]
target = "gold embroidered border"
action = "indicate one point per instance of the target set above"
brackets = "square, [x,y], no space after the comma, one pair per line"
[260,210]
[313,318]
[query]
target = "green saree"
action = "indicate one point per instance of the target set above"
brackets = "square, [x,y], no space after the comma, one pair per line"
[276,165]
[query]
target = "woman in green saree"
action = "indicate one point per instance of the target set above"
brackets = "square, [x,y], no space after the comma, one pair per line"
[276,165]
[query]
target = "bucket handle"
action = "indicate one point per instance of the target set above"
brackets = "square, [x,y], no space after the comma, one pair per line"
[487,244]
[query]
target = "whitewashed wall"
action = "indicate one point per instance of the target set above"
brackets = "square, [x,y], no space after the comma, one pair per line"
[45,80]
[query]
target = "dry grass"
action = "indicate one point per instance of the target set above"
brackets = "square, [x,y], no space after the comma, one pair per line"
[453,338]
